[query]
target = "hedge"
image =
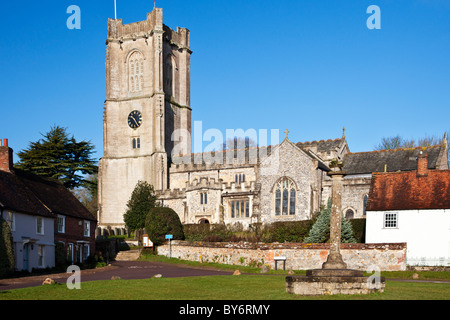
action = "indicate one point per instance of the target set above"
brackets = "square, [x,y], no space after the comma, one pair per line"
[292,231]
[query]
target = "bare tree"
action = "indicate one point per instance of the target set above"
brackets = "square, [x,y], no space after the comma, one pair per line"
[396,142]
[239,143]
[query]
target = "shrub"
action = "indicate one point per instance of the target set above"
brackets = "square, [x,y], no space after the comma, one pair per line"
[292,231]
[359,229]
[196,232]
[161,221]
[60,256]
[7,262]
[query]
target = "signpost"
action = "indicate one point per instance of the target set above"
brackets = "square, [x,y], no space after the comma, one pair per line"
[169,237]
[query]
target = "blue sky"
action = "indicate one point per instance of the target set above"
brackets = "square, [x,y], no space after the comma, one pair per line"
[309,66]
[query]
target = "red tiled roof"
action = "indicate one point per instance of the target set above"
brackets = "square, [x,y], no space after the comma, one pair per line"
[408,191]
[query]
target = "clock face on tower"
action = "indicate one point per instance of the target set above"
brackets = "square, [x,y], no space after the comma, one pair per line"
[135,119]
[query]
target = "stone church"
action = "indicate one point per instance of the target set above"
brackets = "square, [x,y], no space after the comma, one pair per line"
[147,115]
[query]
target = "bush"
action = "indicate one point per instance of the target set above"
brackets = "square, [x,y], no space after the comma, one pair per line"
[7,261]
[292,231]
[107,248]
[359,229]
[196,232]
[161,221]
[60,256]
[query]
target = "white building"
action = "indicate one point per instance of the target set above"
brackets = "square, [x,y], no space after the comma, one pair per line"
[33,237]
[31,223]
[412,207]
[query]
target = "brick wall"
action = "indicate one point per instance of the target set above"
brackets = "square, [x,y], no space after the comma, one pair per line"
[6,158]
[74,232]
[300,256]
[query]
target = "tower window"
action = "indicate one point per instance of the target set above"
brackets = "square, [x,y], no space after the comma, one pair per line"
[203,198]
[136,72]
[239,178]
[136,143]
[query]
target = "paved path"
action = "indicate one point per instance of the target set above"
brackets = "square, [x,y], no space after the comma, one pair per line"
[126,270]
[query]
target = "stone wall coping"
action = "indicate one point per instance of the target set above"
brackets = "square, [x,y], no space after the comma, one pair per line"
[295,246]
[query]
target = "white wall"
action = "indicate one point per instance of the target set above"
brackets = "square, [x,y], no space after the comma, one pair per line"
[426,232]
[25,228]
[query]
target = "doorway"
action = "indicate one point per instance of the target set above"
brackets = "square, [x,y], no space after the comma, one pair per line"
[26,256]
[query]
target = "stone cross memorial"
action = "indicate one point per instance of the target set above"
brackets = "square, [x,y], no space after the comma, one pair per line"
[334,277]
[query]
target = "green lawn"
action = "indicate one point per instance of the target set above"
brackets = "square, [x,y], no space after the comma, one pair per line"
[243,287]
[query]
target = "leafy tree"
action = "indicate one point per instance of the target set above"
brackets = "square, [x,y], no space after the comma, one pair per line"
[320,231]
[161,221]
[142,200]
[61,157]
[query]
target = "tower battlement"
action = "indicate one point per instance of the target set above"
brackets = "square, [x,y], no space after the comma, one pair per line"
[118,30]
[143,29]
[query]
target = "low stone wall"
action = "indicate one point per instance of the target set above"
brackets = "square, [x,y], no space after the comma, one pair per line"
[299,256]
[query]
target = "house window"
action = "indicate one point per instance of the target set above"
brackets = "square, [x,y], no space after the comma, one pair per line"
[41,251]
[85,252]
[390,220]
[87,228]
[70,252]
[39,225]
[285,197]
[240,209]
[61,224]
[203,198]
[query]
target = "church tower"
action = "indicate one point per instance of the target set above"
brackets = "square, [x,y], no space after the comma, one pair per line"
[147,110]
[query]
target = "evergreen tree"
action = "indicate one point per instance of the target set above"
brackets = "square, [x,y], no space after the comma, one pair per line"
[320,231]
[142,200]
[61,157]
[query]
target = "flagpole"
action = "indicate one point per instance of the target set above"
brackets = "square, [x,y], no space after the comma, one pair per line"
[115,10]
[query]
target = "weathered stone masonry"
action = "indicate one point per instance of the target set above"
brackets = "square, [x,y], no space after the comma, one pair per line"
[299,256]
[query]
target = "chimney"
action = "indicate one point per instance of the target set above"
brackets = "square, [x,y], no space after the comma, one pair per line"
[6,157]
[422,164]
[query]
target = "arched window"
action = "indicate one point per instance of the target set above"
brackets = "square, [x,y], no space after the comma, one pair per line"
[366,198]
[285,197]
[136,72]
[349,214]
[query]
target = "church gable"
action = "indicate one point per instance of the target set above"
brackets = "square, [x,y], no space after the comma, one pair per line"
[287,180]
